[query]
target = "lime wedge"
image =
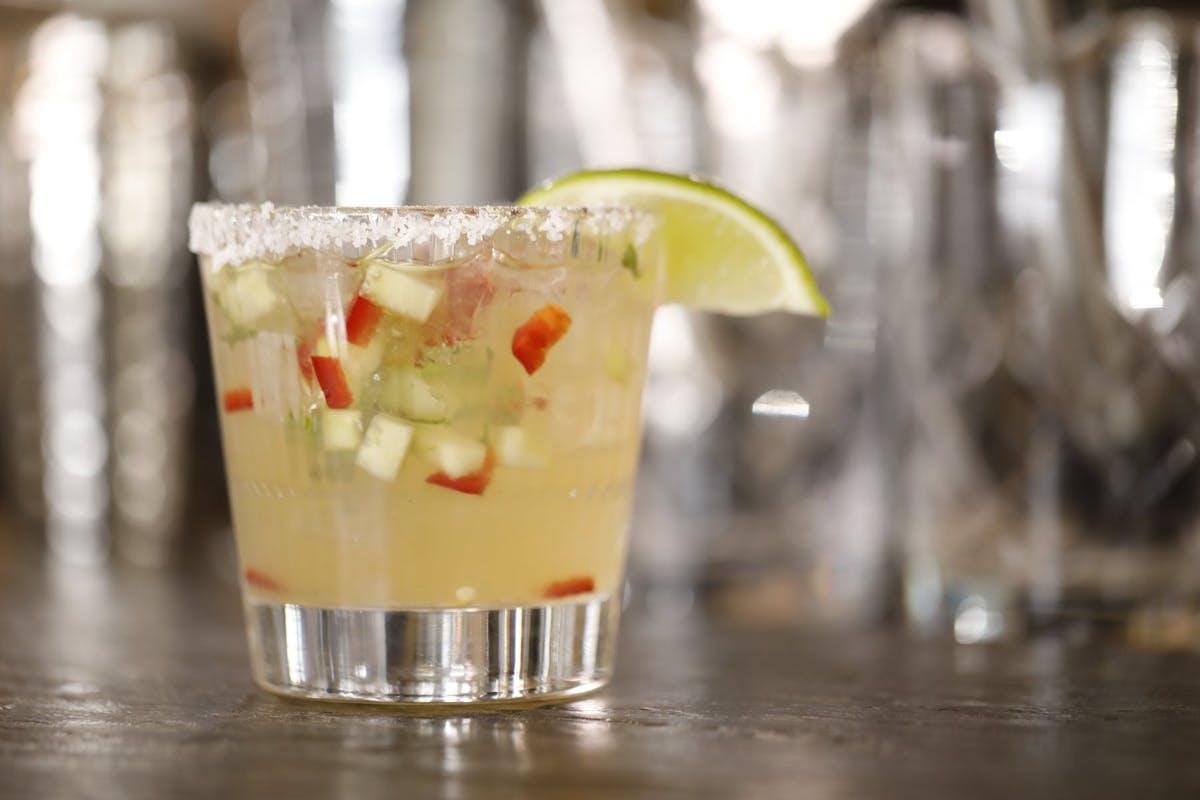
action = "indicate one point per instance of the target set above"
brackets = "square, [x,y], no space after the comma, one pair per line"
[722,254]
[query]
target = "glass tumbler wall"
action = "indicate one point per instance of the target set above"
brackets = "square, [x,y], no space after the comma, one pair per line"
[431,424]
[1040,342]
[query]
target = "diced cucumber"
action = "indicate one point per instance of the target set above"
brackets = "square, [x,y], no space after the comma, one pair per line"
[452,452]
[246,296]
[402,294]
[341,428]
[407,394]
[517,447]
[384,446]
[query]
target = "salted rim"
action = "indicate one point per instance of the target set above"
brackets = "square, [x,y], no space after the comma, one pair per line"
[233,233]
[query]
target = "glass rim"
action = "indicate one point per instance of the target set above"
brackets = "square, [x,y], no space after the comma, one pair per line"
[231,233]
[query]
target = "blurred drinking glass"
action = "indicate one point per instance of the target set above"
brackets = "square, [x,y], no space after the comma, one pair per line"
[1039,339]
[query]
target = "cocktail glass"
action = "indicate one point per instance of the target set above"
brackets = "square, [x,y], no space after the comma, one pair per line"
[431,424]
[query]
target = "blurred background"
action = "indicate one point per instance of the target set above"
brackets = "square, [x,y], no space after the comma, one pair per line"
[998,198]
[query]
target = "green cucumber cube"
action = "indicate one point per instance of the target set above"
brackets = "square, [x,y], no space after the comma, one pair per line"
[406,393]
[517,447]
[246,296]
[384,446]
[454,453]
[399,293]
[341,428]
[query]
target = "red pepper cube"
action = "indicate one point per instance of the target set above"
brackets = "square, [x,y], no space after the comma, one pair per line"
[332,379]
[238,399]
[362,320]
[468,289]
[579,584]
[261,580]
[304,353]
[538,334]
[305,347]
[472,483]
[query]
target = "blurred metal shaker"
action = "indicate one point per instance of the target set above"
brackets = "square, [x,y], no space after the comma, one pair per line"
[771,520]
[97,179]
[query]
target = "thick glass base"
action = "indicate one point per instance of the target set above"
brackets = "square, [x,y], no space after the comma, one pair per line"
[431,656]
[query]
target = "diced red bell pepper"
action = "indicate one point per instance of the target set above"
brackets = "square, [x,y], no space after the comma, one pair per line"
[305,347]
[540,332]
[362,320]
[238,399]
[468,289]
[332,379]
[472,483]
[304,352]
[261,580]
[578,584]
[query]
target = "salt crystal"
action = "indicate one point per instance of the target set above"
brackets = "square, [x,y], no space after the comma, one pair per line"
[232,234]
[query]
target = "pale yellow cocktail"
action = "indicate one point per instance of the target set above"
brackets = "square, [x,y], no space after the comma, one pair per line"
[431,414]
[434,423]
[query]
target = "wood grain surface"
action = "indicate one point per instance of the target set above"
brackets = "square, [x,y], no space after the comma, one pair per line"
[133,683]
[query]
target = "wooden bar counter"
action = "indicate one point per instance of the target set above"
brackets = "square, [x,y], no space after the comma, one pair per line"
[129,683]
